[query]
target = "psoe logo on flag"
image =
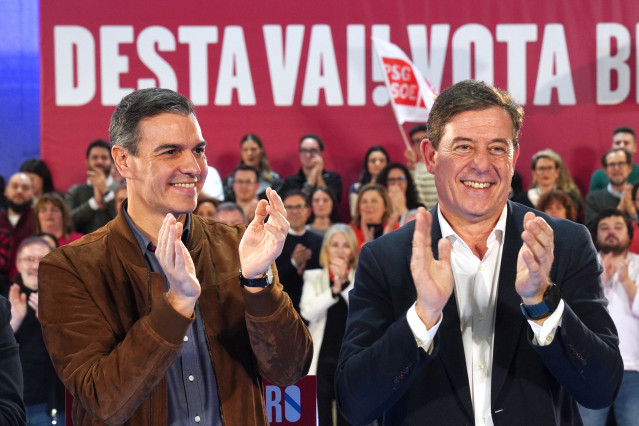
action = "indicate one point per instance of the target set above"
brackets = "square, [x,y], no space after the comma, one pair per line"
[293,404]
[403,85]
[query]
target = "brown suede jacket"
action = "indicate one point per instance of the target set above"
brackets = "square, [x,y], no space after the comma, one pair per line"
[112,334]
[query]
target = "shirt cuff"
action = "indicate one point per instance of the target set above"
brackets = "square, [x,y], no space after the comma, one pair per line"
[110,195]
[93,204]
[423,337]
[544,334]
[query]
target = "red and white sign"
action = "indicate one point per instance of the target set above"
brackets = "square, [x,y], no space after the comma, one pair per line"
[284,68]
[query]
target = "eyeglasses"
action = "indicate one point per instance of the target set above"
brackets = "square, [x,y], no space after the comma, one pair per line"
[312,151]
[30,259]
[396,180]
[295,207]
[244,182]
[417,140]
[377,160]
[613,165]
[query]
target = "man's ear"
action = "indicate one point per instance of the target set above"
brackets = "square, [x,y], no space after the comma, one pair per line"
[121,158]
[429,153]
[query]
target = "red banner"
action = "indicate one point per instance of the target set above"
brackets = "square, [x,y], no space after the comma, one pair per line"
[285,68]
[292,405]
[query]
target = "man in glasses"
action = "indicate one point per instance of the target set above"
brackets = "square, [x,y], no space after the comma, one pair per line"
[617,164]
[622,137]
[312,173]
[301,248]
[245,185]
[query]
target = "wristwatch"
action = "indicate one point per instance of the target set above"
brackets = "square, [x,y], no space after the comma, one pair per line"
[552,296]
[253,282]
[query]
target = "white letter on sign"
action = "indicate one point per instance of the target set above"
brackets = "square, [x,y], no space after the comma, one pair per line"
[554,68]
[235,71]
[321,69]
[463,38]
[283,67]
[607,64]
[65,38]
[198,38]
[516,36]
[146,51]
[112,64]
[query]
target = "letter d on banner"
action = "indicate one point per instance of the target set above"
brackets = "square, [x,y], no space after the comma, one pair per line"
[292,405]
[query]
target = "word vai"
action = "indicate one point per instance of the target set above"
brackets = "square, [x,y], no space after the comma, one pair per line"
[123,58]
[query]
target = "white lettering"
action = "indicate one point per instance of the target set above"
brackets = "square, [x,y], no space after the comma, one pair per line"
[464,38]
[235,71]
[66,39]
[112,64]
[321,69]
[607,63]
[163,38]
[554,68]
[198,38]
[516,36]
[283,67]
[380,93]
[431,65]
[356,65]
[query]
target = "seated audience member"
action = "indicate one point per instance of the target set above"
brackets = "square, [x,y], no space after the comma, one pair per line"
[120,198]
[548,173]
[206,207]
[373,216]
[301,247]
[43,391]
[11,402]
[375,160]
[40,176]
[245,184]
[424,180]
[401,189]
[213,185]
[229,213]
[618,193]
[49,238]
[92,204]
[312,173]
[17,222]
[557,204]
[624,138]
[252,154]
[324,305]
[612,232]
[324,210]
[52,216]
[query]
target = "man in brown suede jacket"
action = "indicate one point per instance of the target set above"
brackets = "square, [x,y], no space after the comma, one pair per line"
[162,317]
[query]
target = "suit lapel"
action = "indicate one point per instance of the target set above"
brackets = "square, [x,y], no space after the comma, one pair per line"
[508,318]
[451,348]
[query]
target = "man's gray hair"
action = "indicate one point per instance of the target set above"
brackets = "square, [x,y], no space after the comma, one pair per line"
[124,129]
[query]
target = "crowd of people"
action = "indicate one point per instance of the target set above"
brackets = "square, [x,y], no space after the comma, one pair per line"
[320,253]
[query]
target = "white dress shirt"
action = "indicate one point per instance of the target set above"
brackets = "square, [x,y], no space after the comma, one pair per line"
[476,283]
[624,314]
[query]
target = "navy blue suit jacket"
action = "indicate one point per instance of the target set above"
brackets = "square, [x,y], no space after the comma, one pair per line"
[382,372]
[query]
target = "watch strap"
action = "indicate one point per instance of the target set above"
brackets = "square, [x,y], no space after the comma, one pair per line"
[253,282]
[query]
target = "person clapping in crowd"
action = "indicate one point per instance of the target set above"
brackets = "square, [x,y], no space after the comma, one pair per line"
[401,188]
[375,160]
[373,216]
[324,305]
[324,211]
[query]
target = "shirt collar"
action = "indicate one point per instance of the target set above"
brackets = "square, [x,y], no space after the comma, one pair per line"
[143,242]
[448,232]
[613,191]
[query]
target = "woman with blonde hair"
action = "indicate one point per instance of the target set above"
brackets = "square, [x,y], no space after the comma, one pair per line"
[52,215]
[549,173]
[324,304]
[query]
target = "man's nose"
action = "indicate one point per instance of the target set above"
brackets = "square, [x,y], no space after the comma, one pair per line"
[190,164]
[482,160]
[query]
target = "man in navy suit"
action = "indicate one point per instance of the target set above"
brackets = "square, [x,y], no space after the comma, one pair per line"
[482,311]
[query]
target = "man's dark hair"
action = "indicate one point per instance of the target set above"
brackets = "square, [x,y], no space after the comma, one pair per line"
[124,129]
[298,192]
[40,168]
[624,129]
[319,140]
[30,241]
[98,143]
[417,128]
[249,168]
[614,151]
[229,206]
[611,213]
[470,95]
